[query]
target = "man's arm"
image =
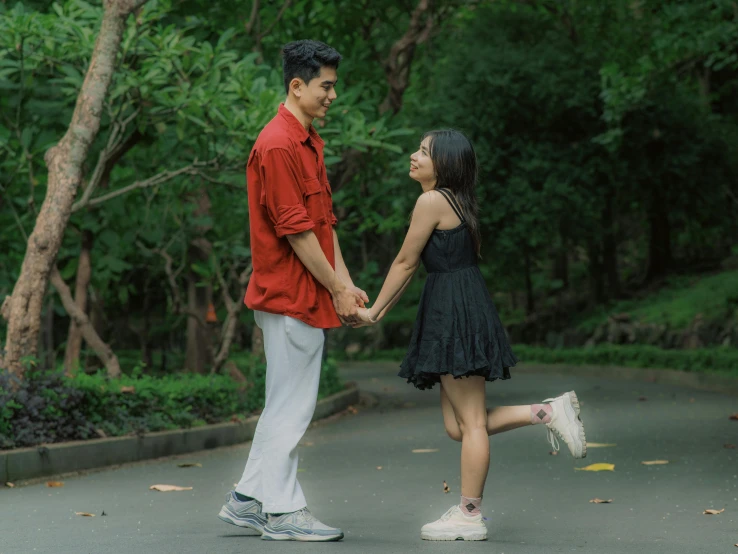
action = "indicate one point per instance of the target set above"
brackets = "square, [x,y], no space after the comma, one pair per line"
[307,248]
[343,272]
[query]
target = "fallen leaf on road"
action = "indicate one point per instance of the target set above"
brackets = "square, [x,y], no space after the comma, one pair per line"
[301,470]
[730,446]
[445,488]
[10,485]
[600,444]
[713,512]
[103,514]
[352,410]
[190,464]
[308,444]
[600,501]
[734,417]
[655,462]
[424,450]
[379,468]
[128,389]
[54,484]
[597,467]
[168,488]
[554,453]
[84,514]
[235,484]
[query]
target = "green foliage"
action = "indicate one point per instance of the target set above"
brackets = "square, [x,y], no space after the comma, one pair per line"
[677,304]
[49,407]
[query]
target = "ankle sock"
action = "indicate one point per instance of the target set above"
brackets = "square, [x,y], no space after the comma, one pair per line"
[242,497]
[540,413]
[470,506]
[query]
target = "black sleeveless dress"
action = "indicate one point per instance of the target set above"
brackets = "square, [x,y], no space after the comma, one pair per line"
[457,330]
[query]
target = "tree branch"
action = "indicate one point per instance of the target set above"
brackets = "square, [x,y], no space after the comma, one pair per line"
[163,177]
[103,351]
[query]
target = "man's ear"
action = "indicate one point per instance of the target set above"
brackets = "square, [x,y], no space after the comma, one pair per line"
[296,86]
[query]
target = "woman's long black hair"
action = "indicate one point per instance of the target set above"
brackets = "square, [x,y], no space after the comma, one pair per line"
[455,164]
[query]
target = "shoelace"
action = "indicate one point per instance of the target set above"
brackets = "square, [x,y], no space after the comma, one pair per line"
[553,440]
[448,513]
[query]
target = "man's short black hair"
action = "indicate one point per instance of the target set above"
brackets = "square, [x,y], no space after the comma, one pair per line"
[304,58]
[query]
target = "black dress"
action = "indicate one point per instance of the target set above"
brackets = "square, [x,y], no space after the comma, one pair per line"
[457,330]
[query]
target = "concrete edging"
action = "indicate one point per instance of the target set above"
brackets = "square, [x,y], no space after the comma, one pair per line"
[55,459]
[700,381]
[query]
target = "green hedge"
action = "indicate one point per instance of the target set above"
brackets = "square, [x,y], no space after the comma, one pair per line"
[49,407]
[715,360]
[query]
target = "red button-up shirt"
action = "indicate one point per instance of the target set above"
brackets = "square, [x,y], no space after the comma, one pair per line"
[288,194]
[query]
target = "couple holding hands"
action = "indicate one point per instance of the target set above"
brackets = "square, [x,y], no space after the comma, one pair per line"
[300,286]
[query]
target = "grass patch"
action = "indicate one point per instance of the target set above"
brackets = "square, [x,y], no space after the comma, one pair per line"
[676,304]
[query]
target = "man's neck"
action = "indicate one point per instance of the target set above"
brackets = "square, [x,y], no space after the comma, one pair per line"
[291,106]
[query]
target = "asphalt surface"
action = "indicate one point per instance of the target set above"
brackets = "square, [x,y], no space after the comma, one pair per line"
[534,502]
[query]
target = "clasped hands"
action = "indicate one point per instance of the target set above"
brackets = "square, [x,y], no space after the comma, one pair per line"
[350,303]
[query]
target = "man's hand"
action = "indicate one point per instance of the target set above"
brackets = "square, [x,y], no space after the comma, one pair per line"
[364,299]
[345,301]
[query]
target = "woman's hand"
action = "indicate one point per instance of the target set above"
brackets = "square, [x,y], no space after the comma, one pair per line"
[364,319]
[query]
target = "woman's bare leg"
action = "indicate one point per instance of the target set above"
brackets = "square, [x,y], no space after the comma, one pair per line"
[499,420]
[467,399]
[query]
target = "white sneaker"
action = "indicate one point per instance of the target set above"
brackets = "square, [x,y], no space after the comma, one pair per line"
[454,525]
[566,424]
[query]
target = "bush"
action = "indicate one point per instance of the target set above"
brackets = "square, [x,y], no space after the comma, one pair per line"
[49,407]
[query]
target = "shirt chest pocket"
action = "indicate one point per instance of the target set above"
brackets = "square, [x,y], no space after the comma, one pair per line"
[316,199]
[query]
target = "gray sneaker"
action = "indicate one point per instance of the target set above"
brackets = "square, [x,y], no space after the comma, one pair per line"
[299,526]
[244,514]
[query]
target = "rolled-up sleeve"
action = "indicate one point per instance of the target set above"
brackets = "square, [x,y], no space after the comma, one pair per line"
[281,192]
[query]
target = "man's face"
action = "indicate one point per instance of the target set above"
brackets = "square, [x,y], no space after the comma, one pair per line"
[316,96]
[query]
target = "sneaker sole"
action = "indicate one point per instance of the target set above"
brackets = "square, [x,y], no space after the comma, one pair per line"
[301,538]
[250,523]
[469,536]
[574,401]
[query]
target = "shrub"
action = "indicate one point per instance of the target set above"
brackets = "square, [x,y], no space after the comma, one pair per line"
[49,407]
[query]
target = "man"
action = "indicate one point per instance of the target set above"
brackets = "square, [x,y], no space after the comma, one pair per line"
[299,286]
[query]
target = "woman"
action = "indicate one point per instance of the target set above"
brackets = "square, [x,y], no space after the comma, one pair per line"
[458,340]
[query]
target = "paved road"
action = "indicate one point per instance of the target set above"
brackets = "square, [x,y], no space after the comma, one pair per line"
[535,503]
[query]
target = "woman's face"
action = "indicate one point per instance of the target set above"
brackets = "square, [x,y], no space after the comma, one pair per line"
[421,166]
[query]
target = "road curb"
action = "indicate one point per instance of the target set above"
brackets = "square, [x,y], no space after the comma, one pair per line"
[55,459]
[700,381]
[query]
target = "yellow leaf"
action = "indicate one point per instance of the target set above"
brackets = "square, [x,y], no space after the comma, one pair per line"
[424,450]
[190,464]
[597,467]
[168,488]
[445,487]
[54,484]
[655,462]
[10,485]
[600,444]
[713,512]
[84,514]
[600,501]
[379,468]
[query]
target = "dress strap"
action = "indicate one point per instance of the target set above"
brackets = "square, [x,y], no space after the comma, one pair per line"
[452,201]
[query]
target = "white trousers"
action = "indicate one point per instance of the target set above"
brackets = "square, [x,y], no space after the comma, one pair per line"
[293,354]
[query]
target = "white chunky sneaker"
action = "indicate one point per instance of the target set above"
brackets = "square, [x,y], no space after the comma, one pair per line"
[299,526]
[566,424]
[454,525]
[244,514]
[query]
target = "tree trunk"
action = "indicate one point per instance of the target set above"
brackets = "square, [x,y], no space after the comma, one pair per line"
[50,351]
[530,302]
[84,275]
[65,160]
[610,250]
[659,237]
[103,351]
[596,274]
[199,344]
